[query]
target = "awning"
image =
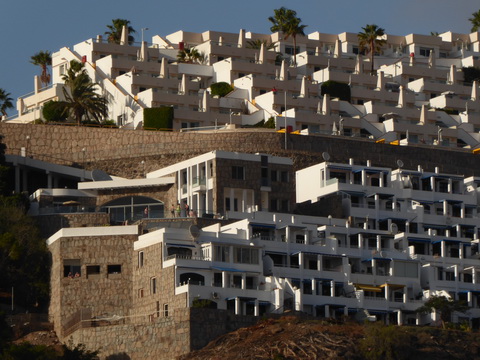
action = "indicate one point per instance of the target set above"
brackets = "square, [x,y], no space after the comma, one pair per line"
[418,240]
[393,286]
[293,227]
[181,245]
[368,287]
[265,226]
[436,226]
[337,167]
[377,259]
[275,253]
[226,269]
[447,240]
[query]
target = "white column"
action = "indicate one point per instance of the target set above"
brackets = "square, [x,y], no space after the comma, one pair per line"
[364,178]
[399,317]
[379,242]
[443,248]
[257,308]
[238,306]
[469,299]
[225,283]
[387,292]
[244,281]
[445,207]
[332,288]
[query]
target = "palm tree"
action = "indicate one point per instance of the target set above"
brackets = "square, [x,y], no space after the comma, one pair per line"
[5,102]
[190,55]
[257,44]
[43,59]
[369,40]
[286,21]
[475,20]
[115,32]
[81,99]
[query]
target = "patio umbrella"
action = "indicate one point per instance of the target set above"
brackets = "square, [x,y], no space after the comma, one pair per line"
[144,51]
[451,74]
[380,81]
[241,38]
[334,129]
[401,97]
[206,101]
[184,85]
[431,59]
[220,41]
[261,58]
[359,64]
[326,104]
[303,87]
[475,90]
[319,108]
[124,36]
[164,69]
[338,49]
[423,114]
[283,71]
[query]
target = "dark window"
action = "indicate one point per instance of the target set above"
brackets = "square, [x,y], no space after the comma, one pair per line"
[238,172]
[140,259]
[153,285]
[263,92]
[273,175]
[284,176]
[142,89]
[264,160]
[93,270]
[273,205]
[114,269]
[71,267]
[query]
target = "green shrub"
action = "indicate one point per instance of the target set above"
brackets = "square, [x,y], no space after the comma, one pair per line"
[54,111]
[270,123]
[221,89]
[336,90]
[387,343]
[160,118]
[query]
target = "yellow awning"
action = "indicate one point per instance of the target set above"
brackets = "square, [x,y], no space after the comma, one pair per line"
[368,287]
[476,151]
[381,141]
[393,286]
[396,142]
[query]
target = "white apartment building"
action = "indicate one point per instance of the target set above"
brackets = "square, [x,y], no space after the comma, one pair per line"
[416,95]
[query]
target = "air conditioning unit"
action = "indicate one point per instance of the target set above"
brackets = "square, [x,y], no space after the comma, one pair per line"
[215,295]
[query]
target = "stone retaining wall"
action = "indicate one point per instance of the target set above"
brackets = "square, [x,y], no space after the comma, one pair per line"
[64,144]
[164,338]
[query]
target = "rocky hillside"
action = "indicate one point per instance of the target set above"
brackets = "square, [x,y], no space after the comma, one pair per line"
[292,338]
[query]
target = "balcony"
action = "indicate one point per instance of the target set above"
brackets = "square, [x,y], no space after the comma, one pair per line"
[199,183]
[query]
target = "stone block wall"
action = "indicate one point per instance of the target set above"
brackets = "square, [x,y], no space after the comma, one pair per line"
[50,224]
[162,338]
[103,294]
[145,301]
[63,145]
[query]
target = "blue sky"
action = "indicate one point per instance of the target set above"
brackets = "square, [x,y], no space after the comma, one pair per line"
[28,26]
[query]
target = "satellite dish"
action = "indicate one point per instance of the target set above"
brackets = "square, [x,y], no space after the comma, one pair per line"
[100,175]
[400,163]
[394,228]
[325,156]
[194,231]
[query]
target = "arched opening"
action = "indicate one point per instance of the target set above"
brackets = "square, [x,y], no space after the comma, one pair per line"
[133,208]
[192,278]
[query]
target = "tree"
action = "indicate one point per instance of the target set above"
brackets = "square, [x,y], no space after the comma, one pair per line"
[446,307]
[257,44]
[190,55]
[475,20]
[286,21]
[5,102]
[115,31]
[43,59]
[369,40]
[81,99]
[24,258]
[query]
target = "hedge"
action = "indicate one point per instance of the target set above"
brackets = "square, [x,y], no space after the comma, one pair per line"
[160,118]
